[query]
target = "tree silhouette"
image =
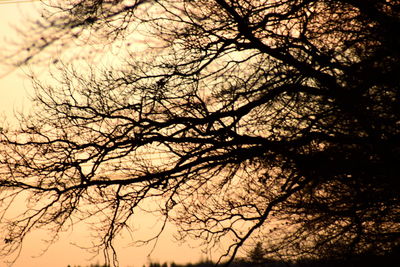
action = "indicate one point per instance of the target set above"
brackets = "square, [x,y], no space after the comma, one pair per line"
[257,254]
[242,119]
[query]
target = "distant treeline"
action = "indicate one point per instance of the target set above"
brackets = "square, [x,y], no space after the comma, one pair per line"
[361,261]
[255,260]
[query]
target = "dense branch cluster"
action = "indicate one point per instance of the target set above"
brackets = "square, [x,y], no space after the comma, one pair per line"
[246,118]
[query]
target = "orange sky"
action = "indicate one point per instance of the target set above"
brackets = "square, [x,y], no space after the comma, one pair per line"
[14,88]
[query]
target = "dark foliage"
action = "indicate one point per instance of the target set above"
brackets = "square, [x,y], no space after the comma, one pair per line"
[243,120]
[355,261]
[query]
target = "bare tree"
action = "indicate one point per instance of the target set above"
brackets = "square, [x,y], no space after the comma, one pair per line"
[246,118]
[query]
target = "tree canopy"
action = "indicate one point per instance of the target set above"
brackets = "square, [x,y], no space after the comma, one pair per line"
[239,120]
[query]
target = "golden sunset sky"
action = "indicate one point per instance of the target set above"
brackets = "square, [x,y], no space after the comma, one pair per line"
[14,91]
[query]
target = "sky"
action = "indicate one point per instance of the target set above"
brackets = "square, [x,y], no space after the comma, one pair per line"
[15,89]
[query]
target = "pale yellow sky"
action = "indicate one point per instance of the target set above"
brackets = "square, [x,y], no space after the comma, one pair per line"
[14,88]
